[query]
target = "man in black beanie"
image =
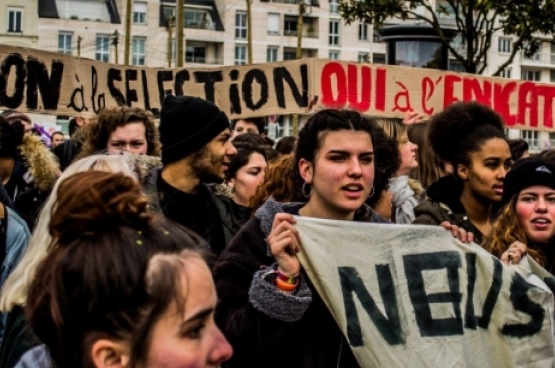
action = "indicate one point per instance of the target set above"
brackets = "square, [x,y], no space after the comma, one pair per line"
[196,151]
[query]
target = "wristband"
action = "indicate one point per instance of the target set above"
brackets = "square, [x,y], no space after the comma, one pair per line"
[284,286]
[288,279]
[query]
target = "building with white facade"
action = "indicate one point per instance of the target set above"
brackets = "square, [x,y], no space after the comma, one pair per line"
[216,34]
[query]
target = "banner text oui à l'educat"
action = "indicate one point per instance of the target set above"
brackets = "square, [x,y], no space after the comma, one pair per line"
[40,81]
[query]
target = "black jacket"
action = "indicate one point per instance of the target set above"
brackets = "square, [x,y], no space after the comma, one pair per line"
[266,327]
[443,204]
[230,216]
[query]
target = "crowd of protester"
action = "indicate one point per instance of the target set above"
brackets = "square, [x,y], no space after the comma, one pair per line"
[173,244]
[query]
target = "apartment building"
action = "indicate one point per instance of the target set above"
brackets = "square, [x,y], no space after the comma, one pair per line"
[216,34]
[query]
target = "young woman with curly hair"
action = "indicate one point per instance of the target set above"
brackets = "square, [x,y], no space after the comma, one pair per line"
[471,138]
[526,223]
[119,129]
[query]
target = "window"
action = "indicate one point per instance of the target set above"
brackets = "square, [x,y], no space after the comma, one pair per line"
[363,32]
[198,19]
[273,24]
[272,54]
[15,16]
[552,77]
[456,67]
[139,13]
[531,75]
[531,137]
[240,55]
[334,32]
[334,7]
[139,51]
[504,45]
[378,58]
[376,38]
[290,26]
[505,73]
[334,55]
[102,48]
[289,54]
[65,42]
[363,57]
[195,54]
[240,27]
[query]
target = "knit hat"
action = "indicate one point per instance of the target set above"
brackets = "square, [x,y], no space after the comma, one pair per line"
[188,124]
[527,173]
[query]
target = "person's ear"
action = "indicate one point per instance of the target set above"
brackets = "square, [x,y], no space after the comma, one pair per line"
[110,354]
[462,172]
[306,170]
[231,183]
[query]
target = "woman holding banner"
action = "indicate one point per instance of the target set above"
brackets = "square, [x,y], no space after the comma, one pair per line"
[269,309]
[469,136]
[526,223]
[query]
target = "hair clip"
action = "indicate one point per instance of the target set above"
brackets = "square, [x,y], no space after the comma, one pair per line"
[139,242]
[139,232]
[166,232]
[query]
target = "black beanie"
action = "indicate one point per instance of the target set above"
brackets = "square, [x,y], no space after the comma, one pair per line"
[187,124]
[526,173]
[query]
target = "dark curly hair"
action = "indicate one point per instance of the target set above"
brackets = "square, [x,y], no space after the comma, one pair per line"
[463,128]
[97,132]
[518,147]
[386,154]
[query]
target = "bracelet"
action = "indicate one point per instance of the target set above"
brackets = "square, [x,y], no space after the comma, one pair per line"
[288,279]
[282,285]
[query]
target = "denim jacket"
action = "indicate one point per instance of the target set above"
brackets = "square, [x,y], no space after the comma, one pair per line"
[17,238]
[37,357]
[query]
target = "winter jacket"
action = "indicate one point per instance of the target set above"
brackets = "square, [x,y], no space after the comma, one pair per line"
[17,238]
[37,357]
[230,216]
[35,173]
[443,204]
[268,328]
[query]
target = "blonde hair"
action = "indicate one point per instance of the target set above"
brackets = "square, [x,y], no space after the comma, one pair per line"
[505,230]
[14,292]
[394,129]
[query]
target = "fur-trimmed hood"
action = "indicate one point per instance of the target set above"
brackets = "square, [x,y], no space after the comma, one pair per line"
[41,163]
[223,190]
[145,164]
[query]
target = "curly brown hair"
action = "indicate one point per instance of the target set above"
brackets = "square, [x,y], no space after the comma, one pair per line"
[97,132]
[505,230]
[278,183]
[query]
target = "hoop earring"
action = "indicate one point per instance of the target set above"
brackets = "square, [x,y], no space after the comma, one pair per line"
[371,192]
[303,190]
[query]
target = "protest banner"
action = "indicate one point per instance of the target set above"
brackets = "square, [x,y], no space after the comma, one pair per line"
[40,81]
[413,296]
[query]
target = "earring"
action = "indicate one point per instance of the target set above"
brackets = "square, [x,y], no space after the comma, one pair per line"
[371,192]
[303,190]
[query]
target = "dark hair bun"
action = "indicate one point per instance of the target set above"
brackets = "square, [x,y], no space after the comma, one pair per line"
[96,202]
[461,128]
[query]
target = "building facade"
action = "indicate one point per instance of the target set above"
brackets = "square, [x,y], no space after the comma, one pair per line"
[216,34]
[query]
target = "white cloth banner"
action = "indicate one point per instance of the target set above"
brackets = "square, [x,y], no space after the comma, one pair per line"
[413,296]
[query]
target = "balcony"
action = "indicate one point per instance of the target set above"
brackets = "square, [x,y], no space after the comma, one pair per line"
[542,59]
[304,34]
[203,60]
[200,25]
